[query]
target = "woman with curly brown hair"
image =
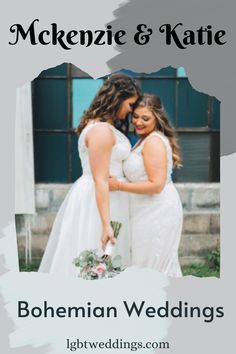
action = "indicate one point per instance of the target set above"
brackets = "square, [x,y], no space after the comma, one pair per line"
[155,207]
[83,221]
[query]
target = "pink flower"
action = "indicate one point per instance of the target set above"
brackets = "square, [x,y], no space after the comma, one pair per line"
[101,267]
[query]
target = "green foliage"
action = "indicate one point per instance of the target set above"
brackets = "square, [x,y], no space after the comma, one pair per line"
[214,259]
[210,269]
[92,266]
[197,270]
[200,270]
[88,258]
[117,262]
[33,267]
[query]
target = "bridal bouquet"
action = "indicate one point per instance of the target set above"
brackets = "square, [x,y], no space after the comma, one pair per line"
[92,266]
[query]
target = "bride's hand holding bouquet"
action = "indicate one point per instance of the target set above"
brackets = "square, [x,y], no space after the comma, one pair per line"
[107,236]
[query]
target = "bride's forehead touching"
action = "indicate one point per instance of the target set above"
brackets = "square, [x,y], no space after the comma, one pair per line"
[143,111]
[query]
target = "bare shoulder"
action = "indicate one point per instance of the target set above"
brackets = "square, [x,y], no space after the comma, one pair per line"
[154,143]
[101,133]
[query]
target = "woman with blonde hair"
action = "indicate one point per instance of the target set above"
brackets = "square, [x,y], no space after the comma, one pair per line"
[83,221]
[155,207]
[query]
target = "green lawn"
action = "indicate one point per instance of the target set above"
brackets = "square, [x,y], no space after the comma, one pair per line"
[29,267]
[198,270]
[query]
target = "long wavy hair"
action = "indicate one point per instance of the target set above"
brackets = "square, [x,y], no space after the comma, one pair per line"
[153,103]
[105,105]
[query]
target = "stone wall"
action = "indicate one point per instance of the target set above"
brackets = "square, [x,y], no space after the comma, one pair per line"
[201,227]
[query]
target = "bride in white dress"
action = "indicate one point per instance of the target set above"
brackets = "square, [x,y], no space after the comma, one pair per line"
[155,207]
[83,221]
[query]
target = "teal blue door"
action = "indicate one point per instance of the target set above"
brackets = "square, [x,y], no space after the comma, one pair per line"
[61,94]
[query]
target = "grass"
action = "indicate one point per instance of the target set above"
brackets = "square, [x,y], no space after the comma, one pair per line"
[33,267]
[200,270]
[197,270]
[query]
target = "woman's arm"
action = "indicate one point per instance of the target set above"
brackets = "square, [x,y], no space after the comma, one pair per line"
[99,141]
[155,163]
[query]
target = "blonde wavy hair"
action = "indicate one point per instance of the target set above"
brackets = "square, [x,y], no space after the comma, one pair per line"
[153,103]
[105,105]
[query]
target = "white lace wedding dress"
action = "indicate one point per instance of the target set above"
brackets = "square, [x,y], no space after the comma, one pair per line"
[155,220]
[77,226]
